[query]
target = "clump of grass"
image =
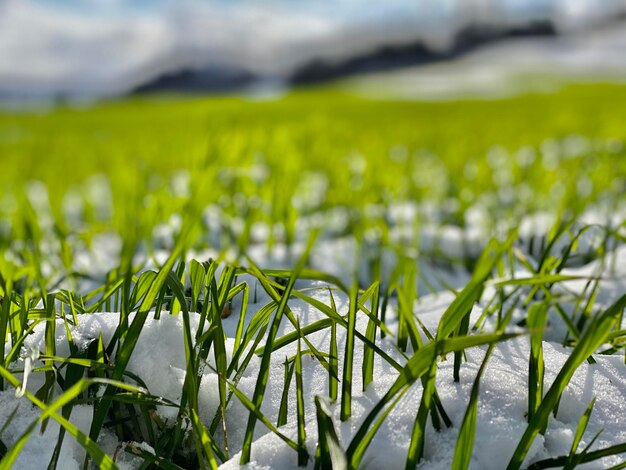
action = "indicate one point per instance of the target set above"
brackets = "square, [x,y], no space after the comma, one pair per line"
[595,335]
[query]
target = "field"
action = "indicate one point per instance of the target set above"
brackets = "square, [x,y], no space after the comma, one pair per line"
[318,280]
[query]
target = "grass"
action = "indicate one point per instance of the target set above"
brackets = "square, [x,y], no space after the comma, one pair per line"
[169,178]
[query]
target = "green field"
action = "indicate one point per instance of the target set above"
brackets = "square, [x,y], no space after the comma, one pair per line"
[130,168]
[132,140]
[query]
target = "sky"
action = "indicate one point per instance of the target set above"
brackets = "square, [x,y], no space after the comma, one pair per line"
[97,48]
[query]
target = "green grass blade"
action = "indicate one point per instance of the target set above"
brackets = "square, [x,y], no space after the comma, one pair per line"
[346,382]
[197,276]
[258,323]
[418,435]
[333,361]
[588,457]
[572,461]
[44,393]
[284,401]
[303,455]
[242,317]
[219,345]
[329,453]
[407,327]
[536,322]
[204,438]
[465,441]
[367,367]
[539,279]
[140,290]
[310,274]
[295,335]
[462,330]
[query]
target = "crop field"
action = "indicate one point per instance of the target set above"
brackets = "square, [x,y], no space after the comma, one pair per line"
[319,281]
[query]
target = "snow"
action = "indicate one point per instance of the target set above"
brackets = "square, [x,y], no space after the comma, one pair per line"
[160,361]
[159,357]
[38,449]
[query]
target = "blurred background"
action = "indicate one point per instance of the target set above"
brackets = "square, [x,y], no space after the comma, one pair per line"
[89,49]
[405,123]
